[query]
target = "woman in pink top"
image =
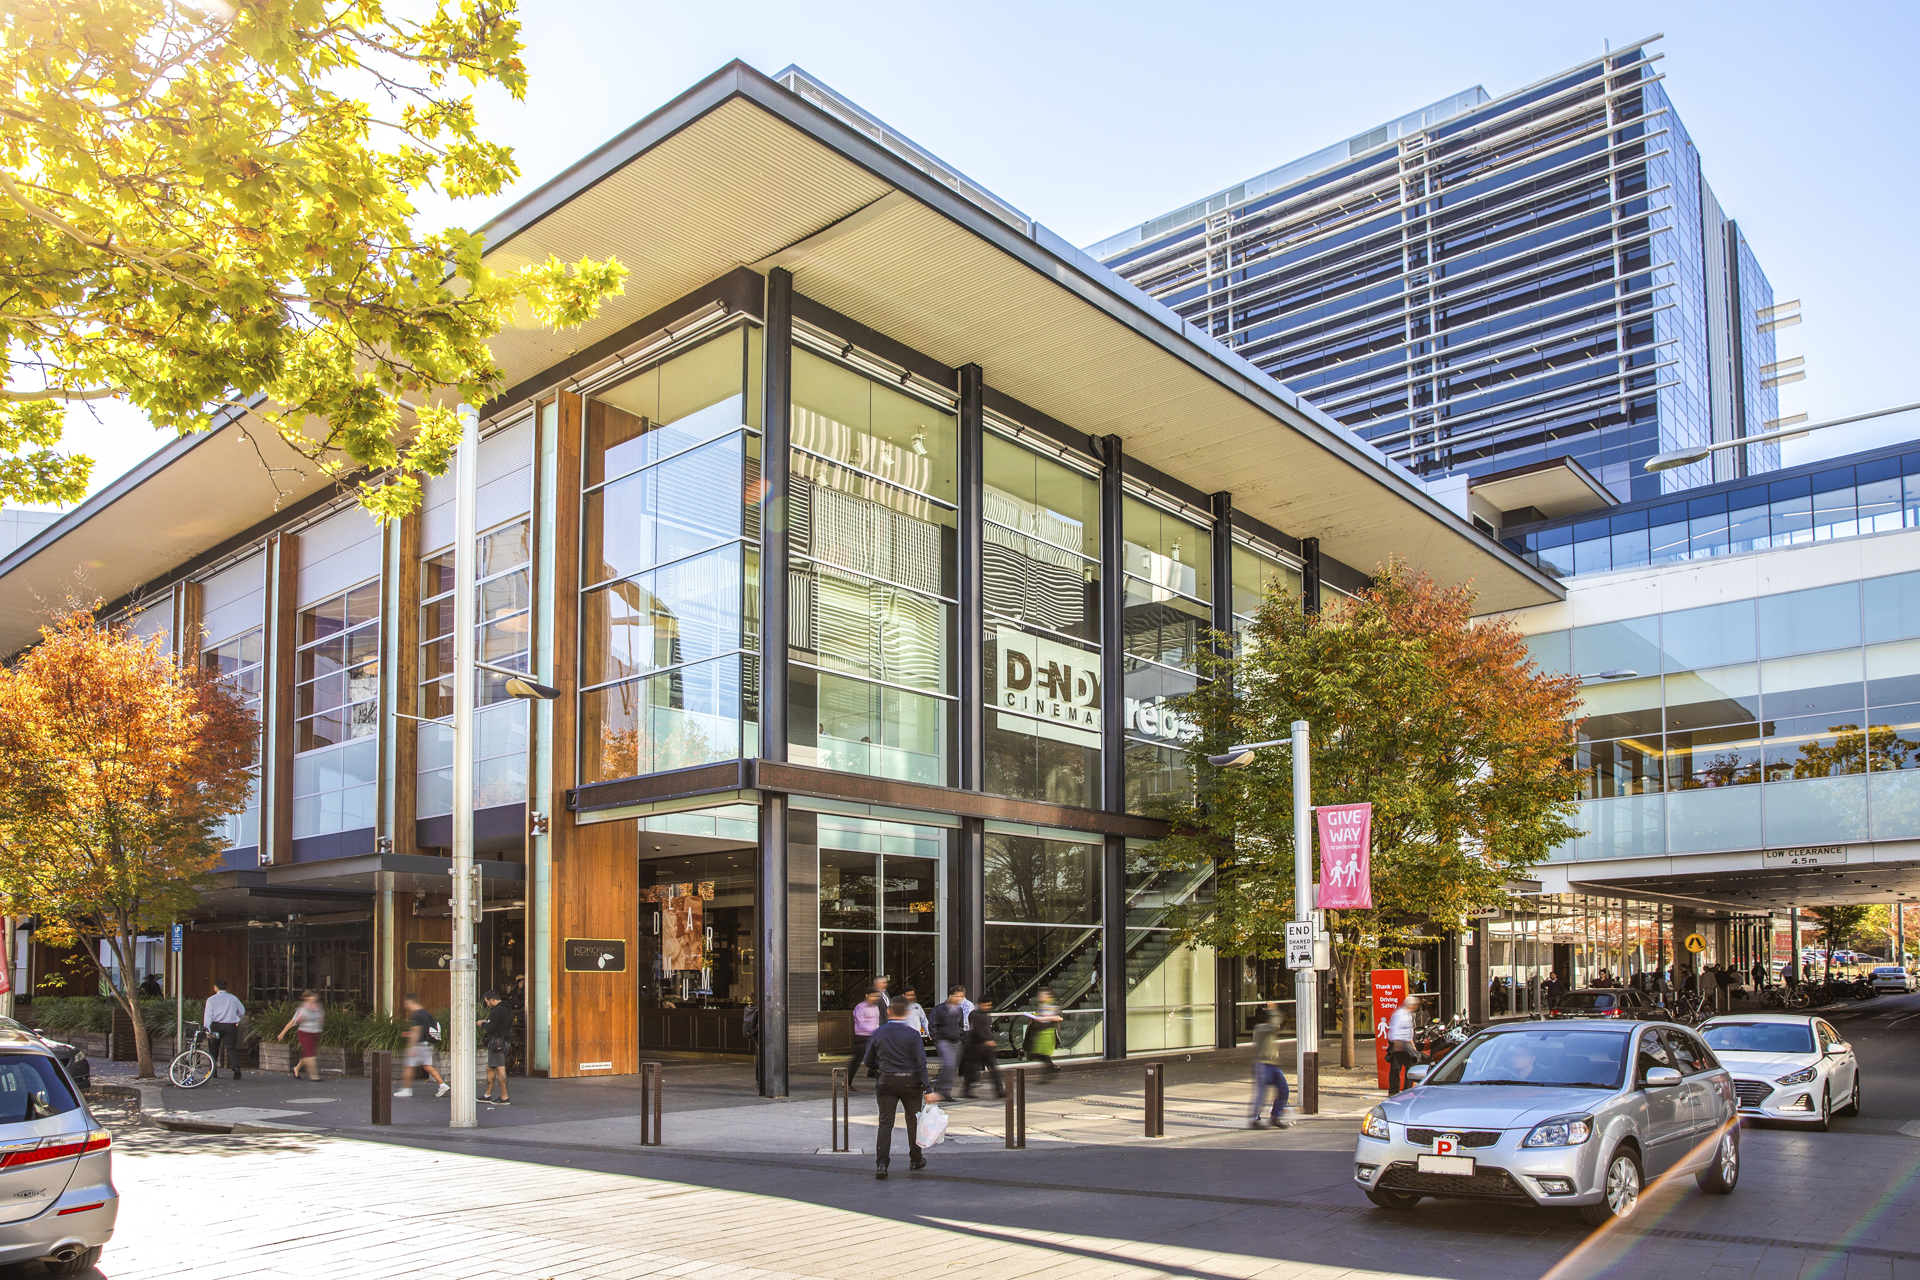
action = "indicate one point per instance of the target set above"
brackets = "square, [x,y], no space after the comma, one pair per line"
[866,1021]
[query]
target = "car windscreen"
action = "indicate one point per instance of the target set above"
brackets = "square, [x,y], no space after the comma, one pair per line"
[1887,971]
[1539,1056]
[1588,1000]
[32,1088]
[1759,1037]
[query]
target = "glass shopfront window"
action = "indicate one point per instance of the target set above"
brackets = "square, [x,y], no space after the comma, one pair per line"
[696,953]
[873,577]
[669,564]
[880,909]
[1041,614]
[1167,612]
[1256,571]
[238,662]
[1169,986]
[336,709]
[503,616]
[1043,936]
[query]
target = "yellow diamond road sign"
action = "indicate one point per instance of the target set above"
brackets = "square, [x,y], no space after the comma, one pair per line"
[1696,943]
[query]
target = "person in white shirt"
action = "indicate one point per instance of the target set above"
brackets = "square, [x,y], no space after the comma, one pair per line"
[1400,1051]
[916,1016]
[222,1016]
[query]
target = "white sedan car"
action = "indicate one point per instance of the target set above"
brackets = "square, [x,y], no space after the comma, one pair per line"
[1787,1066]
[1890,977]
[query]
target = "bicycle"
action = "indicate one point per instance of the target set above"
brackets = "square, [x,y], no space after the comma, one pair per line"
[194,1065]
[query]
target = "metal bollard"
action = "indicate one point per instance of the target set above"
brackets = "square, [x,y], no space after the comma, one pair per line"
[1156,1100]
[650,1104]
[1016,1085]
[381,1075]
[842,1110]
[1310,1086]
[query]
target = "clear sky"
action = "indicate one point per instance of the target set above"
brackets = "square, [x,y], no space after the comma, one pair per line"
[1093,117]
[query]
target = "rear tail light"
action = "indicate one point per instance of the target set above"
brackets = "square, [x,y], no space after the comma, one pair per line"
[61,1148]
[80,1208]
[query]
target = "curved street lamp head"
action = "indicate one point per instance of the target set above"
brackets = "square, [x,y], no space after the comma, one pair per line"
[1238,758]
[1677,458]
[521,687]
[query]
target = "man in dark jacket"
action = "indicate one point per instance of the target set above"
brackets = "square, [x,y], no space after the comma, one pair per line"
[948,1023]
[982,1053]
[898,1054]
[497,1036]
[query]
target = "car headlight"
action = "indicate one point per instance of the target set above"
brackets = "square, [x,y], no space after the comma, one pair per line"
[1569,1131]
[1801,1076]
[1375,1125]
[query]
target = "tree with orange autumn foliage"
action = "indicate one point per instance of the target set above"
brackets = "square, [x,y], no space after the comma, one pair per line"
[1442,723]
[117,763]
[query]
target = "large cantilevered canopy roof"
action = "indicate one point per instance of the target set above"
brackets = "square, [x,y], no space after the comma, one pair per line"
[741,172]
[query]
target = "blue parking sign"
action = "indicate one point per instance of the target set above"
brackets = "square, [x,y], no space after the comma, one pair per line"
[176,937]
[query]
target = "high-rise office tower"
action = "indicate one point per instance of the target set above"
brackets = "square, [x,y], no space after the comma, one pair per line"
[1490,282]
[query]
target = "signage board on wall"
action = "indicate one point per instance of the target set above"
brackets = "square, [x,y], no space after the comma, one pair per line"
[429,957]
[1831,855]
[1052,690]
[1389,993]
[594,955]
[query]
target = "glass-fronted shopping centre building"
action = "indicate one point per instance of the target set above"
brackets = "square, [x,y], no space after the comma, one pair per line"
[868,572]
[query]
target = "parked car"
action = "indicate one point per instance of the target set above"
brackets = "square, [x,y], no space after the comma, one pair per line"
[1787,1066]
[1890,977]
[1582,1112]
[57,1201]
[72,1057]
[1606,1002]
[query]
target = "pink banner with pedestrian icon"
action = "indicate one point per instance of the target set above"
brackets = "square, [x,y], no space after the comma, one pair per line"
[1346,856]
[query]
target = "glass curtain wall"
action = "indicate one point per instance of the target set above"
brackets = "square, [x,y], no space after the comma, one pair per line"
[1168,609]
[1783,721]
[1169,986]
[1041,566]
[238,662]
[1043,934]
[669,564]
[336,712]
[880,909]
[872,578]
[503,619]
[1256,571]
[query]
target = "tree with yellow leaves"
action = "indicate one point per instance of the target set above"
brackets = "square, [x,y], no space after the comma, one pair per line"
[117,764]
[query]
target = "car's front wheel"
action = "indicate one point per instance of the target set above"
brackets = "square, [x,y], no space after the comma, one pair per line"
[1399,1201]
[1621,1191]
[1825,1121]
[1723,1175]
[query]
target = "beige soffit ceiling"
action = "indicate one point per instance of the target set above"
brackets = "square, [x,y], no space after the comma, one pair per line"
[740,186]
[1558,487]
[190,496]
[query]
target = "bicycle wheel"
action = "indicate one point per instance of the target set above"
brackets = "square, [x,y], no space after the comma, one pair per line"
[191,1069]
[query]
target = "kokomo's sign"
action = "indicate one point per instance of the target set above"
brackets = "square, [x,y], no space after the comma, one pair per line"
[1346,856]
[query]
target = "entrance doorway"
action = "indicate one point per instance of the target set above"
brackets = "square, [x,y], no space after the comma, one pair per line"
[696,951]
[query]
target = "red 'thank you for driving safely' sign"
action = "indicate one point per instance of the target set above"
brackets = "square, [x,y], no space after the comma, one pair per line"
[1389,993]
[1346,856]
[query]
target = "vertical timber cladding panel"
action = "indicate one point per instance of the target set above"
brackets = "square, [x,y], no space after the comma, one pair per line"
[562,755]
[405,630]
[214,953]
[276,819]
[597,895]
[434,986]
[803,936]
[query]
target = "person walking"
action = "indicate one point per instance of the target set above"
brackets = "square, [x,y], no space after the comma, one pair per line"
[423,1032]
[309,1017]
[222,1016]
[949,1025]
[1725,979]
[916,1016]
[897,1054]
[1267,1071]
[1759,972]
[1044,1039]
[1400,1051]
[866,1021]
[1556,988]
[497,1036]
[982,1052]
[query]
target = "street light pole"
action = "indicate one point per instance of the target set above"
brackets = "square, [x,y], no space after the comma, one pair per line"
[1306,985]
[464,969]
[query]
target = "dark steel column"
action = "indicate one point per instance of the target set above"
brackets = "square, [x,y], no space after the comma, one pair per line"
[969,845]
[1225,968]
[770,878]
[1310,574]
[1113,773]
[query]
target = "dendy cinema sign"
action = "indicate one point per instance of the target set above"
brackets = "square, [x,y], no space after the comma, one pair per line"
[1053,691]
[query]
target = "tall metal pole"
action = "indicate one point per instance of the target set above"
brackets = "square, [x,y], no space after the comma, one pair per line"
[1306,987]
[1793,943]
[464,970]
[1900,934]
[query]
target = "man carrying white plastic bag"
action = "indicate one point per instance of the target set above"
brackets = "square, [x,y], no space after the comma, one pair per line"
[897,1054]
[932,1126]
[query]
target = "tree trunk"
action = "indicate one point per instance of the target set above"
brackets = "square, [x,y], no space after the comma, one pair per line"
[127,996]
[1345,971]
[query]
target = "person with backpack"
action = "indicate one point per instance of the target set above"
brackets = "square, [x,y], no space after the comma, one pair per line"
[423,1037]
[497,1035]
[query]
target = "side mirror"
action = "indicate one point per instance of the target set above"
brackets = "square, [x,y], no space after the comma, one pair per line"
[1662,1077]
[1835,1047]
[1416,1074]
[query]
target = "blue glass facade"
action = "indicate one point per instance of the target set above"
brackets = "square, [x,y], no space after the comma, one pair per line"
[1485,284]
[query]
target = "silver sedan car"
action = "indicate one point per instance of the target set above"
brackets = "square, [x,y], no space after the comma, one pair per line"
[1584,1113]
[57,1202]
